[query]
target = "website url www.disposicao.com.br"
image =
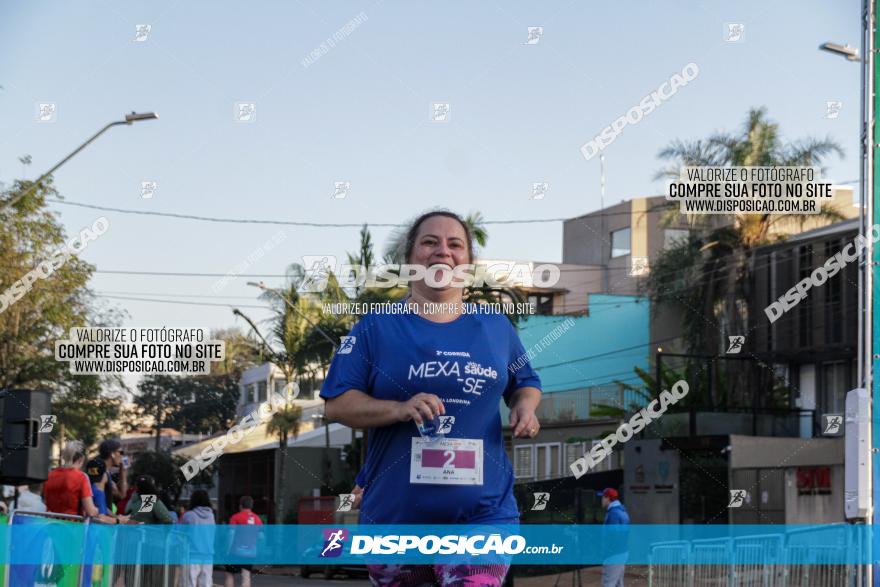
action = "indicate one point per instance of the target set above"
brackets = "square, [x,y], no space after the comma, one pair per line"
[450,544]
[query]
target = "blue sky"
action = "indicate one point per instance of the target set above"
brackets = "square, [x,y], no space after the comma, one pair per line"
[360,113]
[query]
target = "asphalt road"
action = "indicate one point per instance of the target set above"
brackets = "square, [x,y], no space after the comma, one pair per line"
[636,576]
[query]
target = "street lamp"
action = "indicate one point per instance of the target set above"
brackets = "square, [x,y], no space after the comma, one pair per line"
[293,307]
[129,119]
[851,53]
[315,417]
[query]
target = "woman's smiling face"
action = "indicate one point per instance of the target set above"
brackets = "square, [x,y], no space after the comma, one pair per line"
[440,241]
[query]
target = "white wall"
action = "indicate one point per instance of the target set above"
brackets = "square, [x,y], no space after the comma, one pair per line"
[651,482]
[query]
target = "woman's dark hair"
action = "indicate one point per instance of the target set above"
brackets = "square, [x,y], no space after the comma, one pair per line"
[199,498]
[413,232]
[146,485]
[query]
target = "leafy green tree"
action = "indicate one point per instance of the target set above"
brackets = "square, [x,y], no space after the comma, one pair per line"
[242,353]
[83,411]
[165,468]
[640,395]
[45,312]
[207,403]
[158,397]
[195,404]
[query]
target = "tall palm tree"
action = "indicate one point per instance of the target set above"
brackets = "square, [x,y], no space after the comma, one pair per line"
[758,144]
[285,423]
[707,276]
[295,340]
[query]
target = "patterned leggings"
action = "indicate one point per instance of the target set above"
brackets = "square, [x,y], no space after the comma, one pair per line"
[432,575]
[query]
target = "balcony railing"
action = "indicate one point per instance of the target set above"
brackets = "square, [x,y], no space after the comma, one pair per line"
[576,405]
[761,422]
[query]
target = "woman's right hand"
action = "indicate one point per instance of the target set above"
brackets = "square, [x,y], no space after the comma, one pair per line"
[420,407]
[358,493]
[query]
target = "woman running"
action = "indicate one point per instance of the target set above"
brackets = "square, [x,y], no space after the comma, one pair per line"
[398,372]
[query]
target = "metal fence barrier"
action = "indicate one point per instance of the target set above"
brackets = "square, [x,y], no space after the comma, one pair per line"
[754,561]
[135,544]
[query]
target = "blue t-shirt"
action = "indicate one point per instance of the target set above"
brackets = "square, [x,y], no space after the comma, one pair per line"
[100,500]
[463,362]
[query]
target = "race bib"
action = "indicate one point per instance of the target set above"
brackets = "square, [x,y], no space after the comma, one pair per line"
[446,461]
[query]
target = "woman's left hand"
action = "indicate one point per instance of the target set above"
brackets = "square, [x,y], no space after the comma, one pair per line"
[524,421]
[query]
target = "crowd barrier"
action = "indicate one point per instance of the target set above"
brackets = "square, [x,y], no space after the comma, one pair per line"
[754,561]
[136,546]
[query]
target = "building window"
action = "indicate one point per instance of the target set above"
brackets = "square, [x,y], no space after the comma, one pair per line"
[606,463]
[573,451]
[541,303]
[674,236]
[547,460]
[523,462]
[833,290]
[280,387]
[835,384]
[620,243]
[261,391]
[805,308]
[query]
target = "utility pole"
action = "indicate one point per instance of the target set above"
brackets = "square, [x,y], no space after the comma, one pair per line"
[869,361]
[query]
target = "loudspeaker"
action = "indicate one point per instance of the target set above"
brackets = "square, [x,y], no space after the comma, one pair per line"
[25,442]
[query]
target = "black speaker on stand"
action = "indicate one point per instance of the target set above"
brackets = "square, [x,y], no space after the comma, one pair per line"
[25,442]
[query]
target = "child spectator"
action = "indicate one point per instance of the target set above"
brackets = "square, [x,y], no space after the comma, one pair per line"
[201,539]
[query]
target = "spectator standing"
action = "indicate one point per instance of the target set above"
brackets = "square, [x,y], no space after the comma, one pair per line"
[201,539]
[30,499]
[144,506]
[244,541]
[122,504]
[616,542]
[110,451]
[97,473]
[68,490]
[166,499]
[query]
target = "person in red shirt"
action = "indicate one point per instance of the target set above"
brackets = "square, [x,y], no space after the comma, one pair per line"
[68,490]
[244,541]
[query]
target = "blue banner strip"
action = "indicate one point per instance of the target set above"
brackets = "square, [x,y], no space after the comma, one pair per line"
[74,543]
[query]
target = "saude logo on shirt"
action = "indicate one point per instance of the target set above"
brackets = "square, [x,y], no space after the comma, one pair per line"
[473,368]
[451,368]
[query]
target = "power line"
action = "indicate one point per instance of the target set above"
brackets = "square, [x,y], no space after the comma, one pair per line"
[281,222]
[183,303]
[187,274]
[173,295]
[283,275]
